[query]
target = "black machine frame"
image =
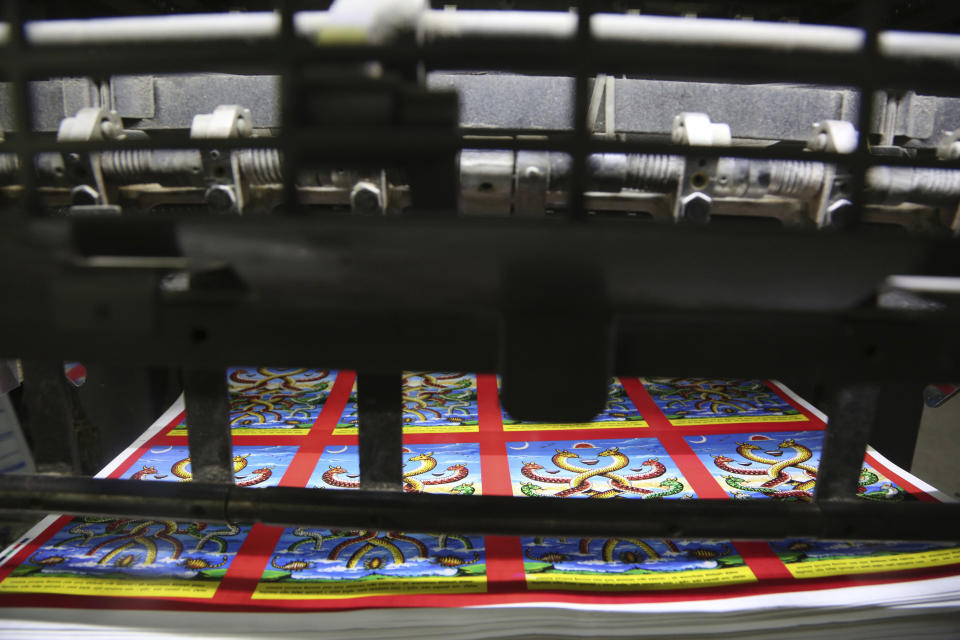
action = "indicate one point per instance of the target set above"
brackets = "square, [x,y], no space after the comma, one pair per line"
[574,294]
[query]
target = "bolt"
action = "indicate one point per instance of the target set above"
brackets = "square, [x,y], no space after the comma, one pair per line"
[695,208]
[220,198]
[365,198]
[533,173]
[109,129]
[839,214]
[83,194]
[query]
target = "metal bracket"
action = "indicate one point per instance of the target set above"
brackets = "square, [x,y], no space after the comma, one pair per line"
[222,173]
[694,195]
[831,205]
[83,170]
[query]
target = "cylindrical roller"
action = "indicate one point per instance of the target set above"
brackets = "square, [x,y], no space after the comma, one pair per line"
[893,185]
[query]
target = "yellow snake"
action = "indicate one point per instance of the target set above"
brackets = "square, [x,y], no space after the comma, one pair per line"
[428,464]
[610,545]
[580,483]
[746,450]
[179,468]
[803,454]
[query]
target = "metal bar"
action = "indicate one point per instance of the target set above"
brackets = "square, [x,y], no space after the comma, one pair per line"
[518,24]
[49,423]
[208,424]
[380,421]
[581,134]
[397,511]
[852,411]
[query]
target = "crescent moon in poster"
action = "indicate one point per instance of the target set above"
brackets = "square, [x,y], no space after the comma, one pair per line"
[700,441]
[337,450]
[170,448]
[525,445]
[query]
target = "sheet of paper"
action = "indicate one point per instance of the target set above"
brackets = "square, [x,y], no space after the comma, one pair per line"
[658,439]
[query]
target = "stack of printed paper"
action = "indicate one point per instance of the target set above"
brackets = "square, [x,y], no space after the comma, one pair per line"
[658,439]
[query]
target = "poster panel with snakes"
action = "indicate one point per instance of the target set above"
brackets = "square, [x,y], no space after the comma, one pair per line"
[433,402]
[658,439]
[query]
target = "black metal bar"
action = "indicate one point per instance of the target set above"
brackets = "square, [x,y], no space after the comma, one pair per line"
[581,134]
[22,109]
[871,13]
[380,421]
[49,424]
[398,511]
[852,409]
[208,425]
[289,83]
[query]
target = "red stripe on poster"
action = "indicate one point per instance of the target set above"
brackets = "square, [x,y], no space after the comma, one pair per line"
[759,556]
[762,560]
[312,445]
[504,554]
[644,403]
[911,488]
[247,567]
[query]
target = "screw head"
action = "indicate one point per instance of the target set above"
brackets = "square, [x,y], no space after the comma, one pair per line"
[365,198]
[84,195]
[220,198]
[839,213]
[695,208]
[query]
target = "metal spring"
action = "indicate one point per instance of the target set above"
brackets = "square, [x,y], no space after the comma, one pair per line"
[261,166]
[9,163]
[653,172]
[796,178]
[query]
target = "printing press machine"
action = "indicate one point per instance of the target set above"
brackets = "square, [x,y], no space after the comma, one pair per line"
[552,194]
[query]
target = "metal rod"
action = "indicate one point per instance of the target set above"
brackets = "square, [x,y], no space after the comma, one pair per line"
[208,425]
[49,423]
[479,514]
[380,421]
[853,412]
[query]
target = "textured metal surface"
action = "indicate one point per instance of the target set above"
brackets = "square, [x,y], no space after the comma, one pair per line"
[853,411]
[380,422]
[208,424]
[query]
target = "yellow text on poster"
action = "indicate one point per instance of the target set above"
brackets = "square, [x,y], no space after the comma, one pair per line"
[874,564]
[644,581]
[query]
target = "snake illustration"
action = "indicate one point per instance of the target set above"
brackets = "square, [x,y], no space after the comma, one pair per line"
[723,462]
[213,536]
[737,483]
[580,483]
[610,546]
[330,477]
[46,561]
[529,470]
[83,532]
[444,538]
[803,454]
[427,463]
[198,564]
[460,471]
[179,467]
[146,471]
[269,378]
[623,483]
[746,450]
[260,475]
